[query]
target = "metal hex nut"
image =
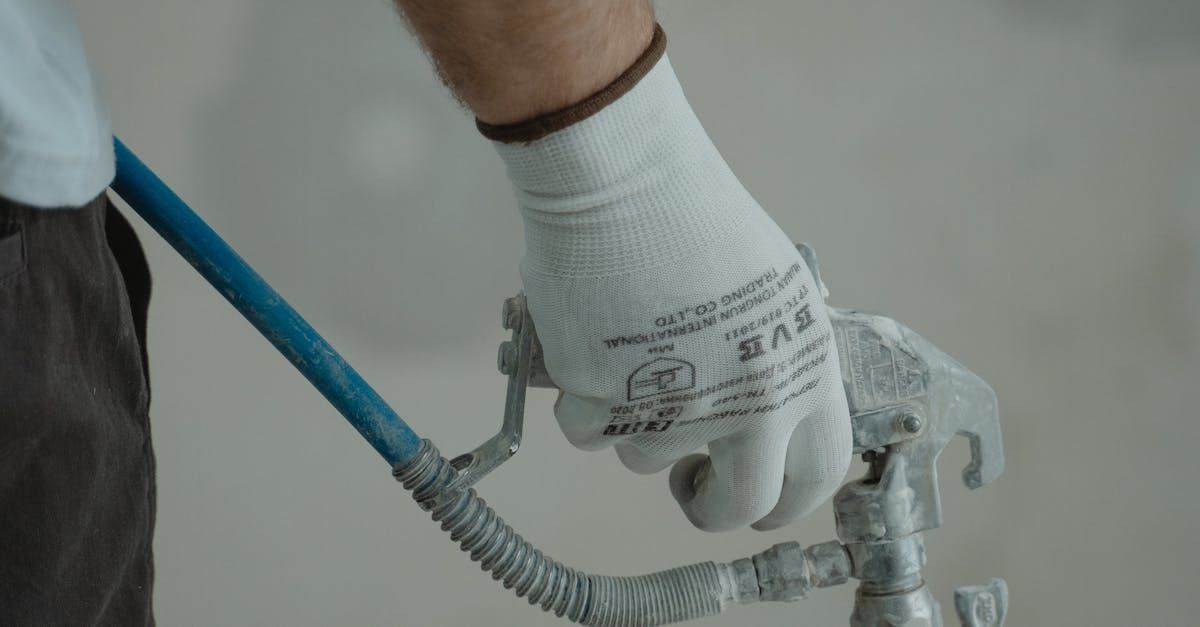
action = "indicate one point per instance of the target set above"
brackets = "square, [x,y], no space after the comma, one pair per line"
[506,357]
[888,562]
[510,315]
[782,573]
[745,580]
[829,564]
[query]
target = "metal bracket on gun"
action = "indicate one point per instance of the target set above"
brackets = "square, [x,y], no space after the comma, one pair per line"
[517,359]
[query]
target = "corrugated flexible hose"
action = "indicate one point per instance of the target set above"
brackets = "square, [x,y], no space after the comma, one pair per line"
[667,596]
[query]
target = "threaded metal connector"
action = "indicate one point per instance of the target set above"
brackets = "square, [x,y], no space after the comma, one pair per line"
[784,572]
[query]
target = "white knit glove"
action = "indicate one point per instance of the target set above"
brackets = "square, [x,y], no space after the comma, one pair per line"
[674,313]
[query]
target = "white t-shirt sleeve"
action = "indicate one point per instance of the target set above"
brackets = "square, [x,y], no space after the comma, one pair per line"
[55,134]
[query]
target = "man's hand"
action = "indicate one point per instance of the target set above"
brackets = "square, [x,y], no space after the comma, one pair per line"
[675,314]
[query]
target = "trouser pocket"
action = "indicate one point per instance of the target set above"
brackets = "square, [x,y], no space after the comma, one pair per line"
[12,250]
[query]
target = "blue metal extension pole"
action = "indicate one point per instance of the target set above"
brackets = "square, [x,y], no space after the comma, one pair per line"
[263,307]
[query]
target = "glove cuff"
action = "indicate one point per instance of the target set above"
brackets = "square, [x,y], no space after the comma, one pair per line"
[545,124]
[649,137]
[635,187]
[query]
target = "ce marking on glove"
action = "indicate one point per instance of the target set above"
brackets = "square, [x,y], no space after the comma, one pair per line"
[752,347]
[665,374]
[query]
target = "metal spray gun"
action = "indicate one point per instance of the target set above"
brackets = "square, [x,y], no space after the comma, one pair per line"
[907,401]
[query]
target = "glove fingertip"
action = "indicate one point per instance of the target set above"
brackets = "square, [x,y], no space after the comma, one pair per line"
[685,475]
[578,417]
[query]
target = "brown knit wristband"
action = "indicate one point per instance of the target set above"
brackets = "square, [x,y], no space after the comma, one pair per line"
[543,125]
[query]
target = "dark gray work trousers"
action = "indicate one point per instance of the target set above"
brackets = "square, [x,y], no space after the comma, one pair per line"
[76,466]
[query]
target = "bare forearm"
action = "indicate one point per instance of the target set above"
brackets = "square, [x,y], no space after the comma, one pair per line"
[512,60]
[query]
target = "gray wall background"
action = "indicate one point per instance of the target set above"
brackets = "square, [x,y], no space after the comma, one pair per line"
[1019,180]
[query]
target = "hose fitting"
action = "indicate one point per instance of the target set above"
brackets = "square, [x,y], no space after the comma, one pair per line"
[668,596]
